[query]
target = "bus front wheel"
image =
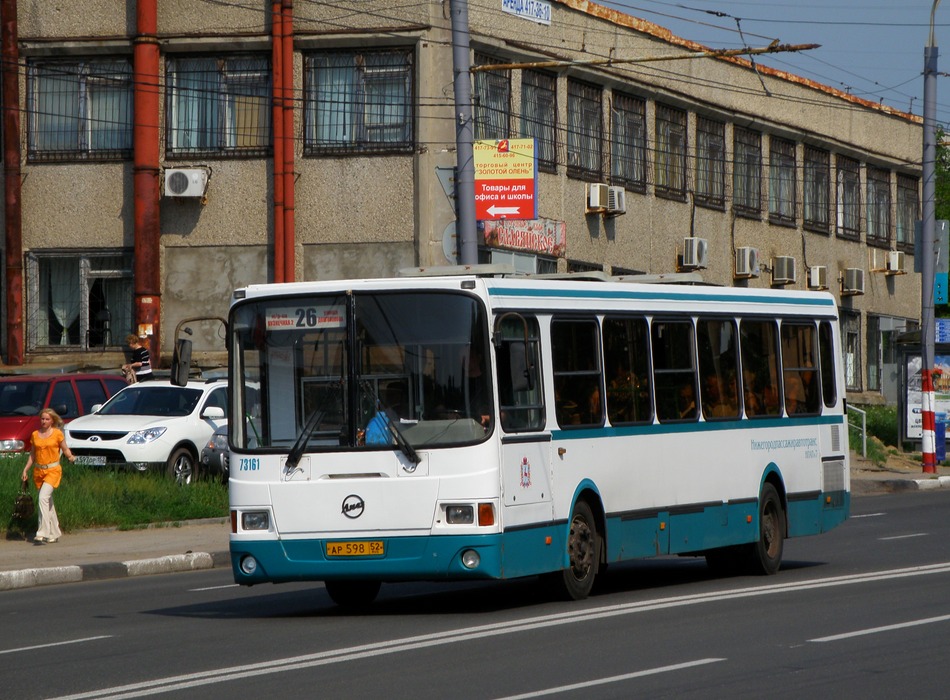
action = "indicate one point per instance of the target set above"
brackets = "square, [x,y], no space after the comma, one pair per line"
[583,550]
[767,551]
[352,594]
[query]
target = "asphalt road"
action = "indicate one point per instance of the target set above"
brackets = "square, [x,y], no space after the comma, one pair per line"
[862,611]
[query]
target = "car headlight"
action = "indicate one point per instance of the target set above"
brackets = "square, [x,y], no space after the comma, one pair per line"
[141,437]
[219,442]
[12,446]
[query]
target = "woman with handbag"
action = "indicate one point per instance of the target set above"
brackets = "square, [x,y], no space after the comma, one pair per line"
[45,447]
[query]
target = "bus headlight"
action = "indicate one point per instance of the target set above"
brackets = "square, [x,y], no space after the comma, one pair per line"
[255,520]
[249,565]
[470,559]
[459,515]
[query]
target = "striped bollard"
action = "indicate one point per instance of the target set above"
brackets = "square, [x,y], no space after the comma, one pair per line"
[929,442]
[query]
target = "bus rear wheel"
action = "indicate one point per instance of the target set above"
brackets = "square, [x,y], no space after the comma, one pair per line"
[352,593]
[583,553]
[766,554]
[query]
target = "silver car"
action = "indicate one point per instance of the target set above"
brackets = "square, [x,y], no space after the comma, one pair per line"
[214,455]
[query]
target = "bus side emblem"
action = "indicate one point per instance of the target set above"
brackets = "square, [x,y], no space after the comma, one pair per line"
[525,473]
[353,506]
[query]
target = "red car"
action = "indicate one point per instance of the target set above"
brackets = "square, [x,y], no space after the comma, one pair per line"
[70,395]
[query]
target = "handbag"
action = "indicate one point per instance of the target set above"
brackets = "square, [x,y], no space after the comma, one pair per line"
[129,375]
[23,507]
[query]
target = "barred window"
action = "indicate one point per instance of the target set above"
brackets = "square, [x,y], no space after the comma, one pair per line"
[359,101]
[492,101]
[585,131]
[219,105]
[850,322]
[781,181]
[710,162]
[816,185]
[747,172]
[849,198]
[539,115]
[79,109]
[670,152]
[628,142]
[906,210]
[78,299]
[879,206]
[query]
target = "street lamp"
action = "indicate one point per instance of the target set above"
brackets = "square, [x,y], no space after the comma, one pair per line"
[927,229]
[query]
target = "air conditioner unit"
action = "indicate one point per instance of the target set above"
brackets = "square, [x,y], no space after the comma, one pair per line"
[895,263]
[186,182]
[852,282]
[747,262]
[783,270]
[597,197]
[818,277]
[695,251]
[616,201]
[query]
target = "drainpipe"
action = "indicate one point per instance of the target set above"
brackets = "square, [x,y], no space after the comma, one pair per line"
[277,120]
[145,170]
[288,62]
[11,182]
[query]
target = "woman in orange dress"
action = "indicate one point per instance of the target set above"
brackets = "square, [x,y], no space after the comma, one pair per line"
[45,447]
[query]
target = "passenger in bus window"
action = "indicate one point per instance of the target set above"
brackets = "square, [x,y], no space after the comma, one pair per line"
[754,403]
[794,394]
[715,400]
[687,403]
[477,392]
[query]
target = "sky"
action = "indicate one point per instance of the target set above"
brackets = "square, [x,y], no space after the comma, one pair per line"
[870,48]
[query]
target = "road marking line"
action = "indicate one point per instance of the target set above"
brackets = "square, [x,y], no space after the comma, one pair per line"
[902,537]
[55,644]
[575,615]
[877,630]
[868,515]
[212,588]
[612,679]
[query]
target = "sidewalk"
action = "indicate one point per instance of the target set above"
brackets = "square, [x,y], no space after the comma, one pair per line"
[90,555]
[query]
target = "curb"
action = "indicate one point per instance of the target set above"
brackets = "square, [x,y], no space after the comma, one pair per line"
[873,486]
[173,563]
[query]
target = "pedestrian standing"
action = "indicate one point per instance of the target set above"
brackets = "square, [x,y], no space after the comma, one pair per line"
[141,364]
[46,445]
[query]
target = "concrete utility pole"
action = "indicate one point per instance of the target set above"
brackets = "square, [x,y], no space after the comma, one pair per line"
[465,228]
[927,249]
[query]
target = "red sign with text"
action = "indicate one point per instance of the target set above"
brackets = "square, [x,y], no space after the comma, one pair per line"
[505,179]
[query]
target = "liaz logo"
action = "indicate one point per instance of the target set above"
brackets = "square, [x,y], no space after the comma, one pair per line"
[353,506]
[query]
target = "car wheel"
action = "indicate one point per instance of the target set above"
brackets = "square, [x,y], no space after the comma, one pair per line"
[182,466]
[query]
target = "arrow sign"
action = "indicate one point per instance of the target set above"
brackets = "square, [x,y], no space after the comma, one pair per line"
[505,179]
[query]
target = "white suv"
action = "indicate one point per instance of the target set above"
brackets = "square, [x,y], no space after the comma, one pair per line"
[152,424]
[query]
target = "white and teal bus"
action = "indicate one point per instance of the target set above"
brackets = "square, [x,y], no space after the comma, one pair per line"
[471,424]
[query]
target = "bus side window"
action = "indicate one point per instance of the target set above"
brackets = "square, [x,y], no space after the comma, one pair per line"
[575,349]
[521,404]
[800,375]
[627,359]
[758,349]
[674,371]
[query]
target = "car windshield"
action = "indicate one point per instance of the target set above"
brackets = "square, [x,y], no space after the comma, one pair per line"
[152,401]
[22,398]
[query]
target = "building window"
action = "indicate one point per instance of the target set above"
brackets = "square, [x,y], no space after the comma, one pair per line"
[78,299]
[358,102]
[907,211]
[628,142]
[710,162]
[492,101]
[874,353]
[219,106]
[851,340]
[670,167]
[781,181]
[879,206]
[848,208]
[539,116]
[582,266]
[79,110]
[585,131]
[747,173]
[816,187]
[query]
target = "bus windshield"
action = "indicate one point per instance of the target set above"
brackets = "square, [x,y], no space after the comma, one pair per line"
[381,370]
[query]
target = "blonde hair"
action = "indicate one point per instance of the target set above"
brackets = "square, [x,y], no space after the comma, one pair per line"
[132,338]
[57,421]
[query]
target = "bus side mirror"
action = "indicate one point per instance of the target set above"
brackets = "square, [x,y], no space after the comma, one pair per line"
[522,376]
[181,362]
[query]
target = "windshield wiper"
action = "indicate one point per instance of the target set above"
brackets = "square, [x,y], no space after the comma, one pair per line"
[296,452]
[401,442]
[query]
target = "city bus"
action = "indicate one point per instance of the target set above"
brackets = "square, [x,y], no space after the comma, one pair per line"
[462,424]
